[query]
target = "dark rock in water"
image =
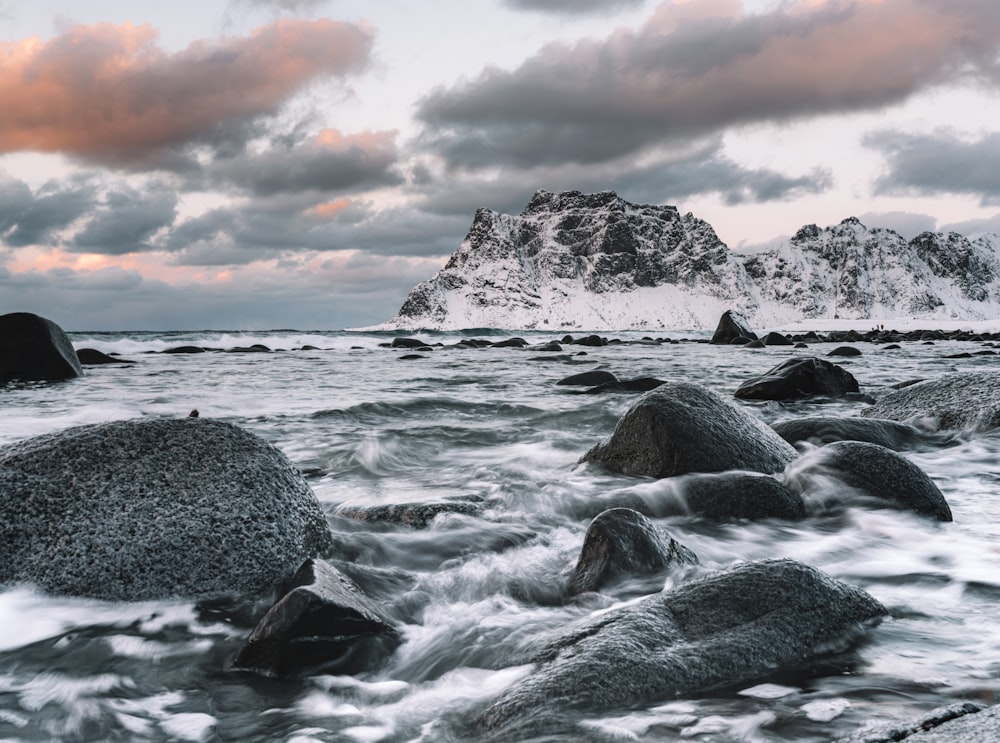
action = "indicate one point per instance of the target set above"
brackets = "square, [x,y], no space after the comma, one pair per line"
[551,347]
[777,339]
[417,515]
[255,348]
[406,343]
[93,357]
[797,378]
[411,357]
[892,347]
[680,428]
[741,495]
[184,350]
[890,434]
[511,343]
[154,509]
[323,623]
[33,348]
[591,340]
[732,325]
[587,379]
[730,628]
[872,470]
[754,344]
[740,340]
[845,351]
[800,344]
[952,401]
[622,542]
[639,384]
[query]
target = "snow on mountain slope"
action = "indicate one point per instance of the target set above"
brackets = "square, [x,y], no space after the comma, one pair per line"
[596,262]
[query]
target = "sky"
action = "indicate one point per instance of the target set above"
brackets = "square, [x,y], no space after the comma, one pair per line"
[264,164]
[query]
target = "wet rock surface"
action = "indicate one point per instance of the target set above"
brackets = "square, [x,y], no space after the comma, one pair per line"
[951,401]
[894,435]
[33,348]
[799,378]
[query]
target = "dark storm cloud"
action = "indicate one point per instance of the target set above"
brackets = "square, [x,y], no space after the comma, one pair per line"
[571,7]
[330,162]
[125,222]
[34,218]
[942,162]
[698,68]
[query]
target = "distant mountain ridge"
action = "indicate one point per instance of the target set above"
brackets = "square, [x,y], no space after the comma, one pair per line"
[597,262]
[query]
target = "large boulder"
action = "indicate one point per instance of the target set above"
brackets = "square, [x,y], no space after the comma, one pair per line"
[798,378]
[951,401]
[154,509]
[681,427]
[35,349]
[730,628]
[621,542]
[819,430]
[871,470]
[324,622]
[732,325]
[741,495]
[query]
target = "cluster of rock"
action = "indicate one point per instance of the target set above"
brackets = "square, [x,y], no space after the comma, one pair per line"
[199,509]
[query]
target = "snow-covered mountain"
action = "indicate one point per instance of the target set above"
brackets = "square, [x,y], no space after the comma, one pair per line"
[596,262]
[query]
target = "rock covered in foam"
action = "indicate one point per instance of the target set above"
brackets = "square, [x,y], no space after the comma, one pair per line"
[152,509]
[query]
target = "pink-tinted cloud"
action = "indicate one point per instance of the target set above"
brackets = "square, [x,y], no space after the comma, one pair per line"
[109,93]
[696,68]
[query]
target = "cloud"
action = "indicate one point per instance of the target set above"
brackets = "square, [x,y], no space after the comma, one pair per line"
[288,6]
[126,220]
[329,162]
[109,94]
[571,7]
[697,68]
[942,162]
[35,218]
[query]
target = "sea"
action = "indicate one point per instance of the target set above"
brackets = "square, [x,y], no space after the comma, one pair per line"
[491,427]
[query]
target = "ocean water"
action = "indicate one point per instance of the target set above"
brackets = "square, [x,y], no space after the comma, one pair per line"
[490,425]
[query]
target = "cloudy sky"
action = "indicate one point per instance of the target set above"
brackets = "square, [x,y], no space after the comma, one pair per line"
[253,164]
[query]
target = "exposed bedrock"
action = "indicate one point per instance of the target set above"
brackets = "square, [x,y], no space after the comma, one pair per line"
[952,401]
[33,348]
[732,325]
[730,628]
[154,509]
[867,470]
[680,427]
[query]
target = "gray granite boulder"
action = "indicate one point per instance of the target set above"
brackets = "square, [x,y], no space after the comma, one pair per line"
[741,495]
[871,470]
[951,401]
[894,435]
[732,325]
[621,542]
[589,378]
[680,427]
[958,723]
[798,378]
[730,628]
[35,349]
[154,509]
[323,623]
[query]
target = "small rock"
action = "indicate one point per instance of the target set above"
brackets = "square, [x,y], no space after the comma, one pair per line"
[587,379]
[798,378]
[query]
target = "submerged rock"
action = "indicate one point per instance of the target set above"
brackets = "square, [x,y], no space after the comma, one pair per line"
[323,623]
[872,470]
[622,542]
[951,401]
[741,495]
[588,378]
[639,384]
[732,325]
[93,357]
[798,378]
[680,427]
[154,509]
[33,348]
[821,430]
[729,628]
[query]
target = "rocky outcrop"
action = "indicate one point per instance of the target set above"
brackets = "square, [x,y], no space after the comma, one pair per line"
[799,378]
[323,623]
[869,470]
[93,357]
[154,509]
[726,629]
[33,348]
[621,542]
[732,325]
[951,401]
[679,428]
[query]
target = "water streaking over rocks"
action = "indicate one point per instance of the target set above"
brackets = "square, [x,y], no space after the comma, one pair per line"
[458,505]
